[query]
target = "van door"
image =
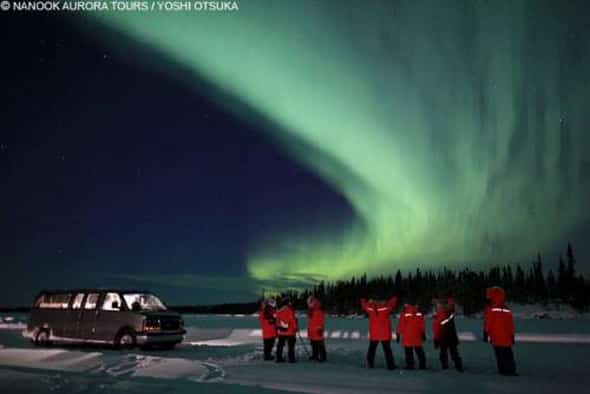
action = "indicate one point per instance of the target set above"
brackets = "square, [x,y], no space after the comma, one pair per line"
[86,326]
[110,317]
[73,316]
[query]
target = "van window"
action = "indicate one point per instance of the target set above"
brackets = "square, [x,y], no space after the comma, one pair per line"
[53,301]
[91,301]
[143,302]
[112,302]
[77,303]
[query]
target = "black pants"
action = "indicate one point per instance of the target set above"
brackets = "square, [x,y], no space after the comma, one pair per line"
[386,350]
[410,356]
[268,345]
[318,350]
[444,357]
[505,360]
[291,348]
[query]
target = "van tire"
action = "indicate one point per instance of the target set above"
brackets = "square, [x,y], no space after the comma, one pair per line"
[42,338]
[125,339]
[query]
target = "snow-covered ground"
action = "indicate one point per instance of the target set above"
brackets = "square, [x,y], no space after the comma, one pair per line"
[222,354]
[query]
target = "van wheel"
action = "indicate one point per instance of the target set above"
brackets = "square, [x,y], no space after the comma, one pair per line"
[125,339]
[42,338]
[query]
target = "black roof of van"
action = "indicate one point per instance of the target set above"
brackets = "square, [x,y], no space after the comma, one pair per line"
[94,290]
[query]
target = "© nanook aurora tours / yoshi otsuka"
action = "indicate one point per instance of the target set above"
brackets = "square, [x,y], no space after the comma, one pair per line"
[279,150]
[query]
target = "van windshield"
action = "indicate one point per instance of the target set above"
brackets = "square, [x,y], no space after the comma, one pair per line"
[143,302]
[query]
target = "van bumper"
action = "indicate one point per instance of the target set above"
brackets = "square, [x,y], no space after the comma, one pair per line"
[153,338]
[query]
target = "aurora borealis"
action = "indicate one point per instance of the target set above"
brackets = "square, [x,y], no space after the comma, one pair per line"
[456,130]
[210,155]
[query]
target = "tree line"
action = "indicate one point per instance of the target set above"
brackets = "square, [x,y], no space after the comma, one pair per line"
[523,285]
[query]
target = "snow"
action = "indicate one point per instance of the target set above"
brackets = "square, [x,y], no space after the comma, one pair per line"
[160,367]
[12,326]
[549,311]
[10,323]
[553,338]
[224,353]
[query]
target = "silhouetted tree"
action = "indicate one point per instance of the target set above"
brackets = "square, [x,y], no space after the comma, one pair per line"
[562,279]
[551,285]
[342,297]
[540,289]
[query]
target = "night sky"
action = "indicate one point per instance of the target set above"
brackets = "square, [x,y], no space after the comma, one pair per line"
[208,156]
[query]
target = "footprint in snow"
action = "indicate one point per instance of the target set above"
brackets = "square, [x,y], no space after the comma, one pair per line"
[214,374]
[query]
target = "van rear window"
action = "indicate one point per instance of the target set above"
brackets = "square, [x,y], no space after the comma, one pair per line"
[53,301]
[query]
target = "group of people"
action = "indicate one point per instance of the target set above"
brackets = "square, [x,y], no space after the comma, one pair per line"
[410,332]
[282,323]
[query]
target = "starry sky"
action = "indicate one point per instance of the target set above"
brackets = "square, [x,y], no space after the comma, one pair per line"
[221,154]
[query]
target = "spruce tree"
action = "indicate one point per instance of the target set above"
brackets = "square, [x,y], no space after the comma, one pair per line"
[551,285]
[571,263]
[562,285]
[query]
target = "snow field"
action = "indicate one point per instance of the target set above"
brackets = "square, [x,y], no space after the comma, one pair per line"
[224,354]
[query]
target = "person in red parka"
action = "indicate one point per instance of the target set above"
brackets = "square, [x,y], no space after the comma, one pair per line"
[411,332]
[315,329]
[267,317]
[379,329]
[444,333]
[499,330]
[286,330]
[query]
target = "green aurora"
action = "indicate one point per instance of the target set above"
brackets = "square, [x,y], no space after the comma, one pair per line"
[457,130]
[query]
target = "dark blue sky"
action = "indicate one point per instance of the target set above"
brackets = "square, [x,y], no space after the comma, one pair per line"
[109,168]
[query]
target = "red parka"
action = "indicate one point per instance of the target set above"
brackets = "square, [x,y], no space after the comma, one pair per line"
[411,326]
[267,318]
[444,332]
[379,322]
[316,320]
[498,321]
[286,321]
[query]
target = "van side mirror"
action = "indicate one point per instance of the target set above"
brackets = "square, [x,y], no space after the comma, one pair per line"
[115,305]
